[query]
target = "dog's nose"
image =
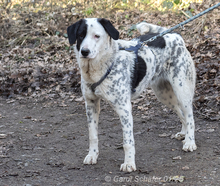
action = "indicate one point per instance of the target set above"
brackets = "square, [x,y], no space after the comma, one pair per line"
[85,52]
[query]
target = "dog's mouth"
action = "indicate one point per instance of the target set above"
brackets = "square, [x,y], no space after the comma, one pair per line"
[88,57]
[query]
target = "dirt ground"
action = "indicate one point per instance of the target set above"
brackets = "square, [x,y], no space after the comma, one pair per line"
[43,127]
[44,142]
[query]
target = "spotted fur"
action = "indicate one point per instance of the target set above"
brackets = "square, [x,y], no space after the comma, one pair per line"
[165,65]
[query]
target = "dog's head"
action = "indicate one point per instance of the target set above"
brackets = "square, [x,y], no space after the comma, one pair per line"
[91,35]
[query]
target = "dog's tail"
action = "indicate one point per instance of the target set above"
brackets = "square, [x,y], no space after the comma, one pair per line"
[144,28]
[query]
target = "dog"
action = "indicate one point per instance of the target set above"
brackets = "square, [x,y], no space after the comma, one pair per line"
[118,71]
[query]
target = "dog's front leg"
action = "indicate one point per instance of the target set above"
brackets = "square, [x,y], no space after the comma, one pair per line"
[92,112]
[126,118]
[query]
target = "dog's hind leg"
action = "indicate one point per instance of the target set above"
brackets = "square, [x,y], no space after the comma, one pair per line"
[92,112]
[185,111]
[179,98]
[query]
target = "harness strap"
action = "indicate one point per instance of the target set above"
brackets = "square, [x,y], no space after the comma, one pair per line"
[94,85]
[132,48]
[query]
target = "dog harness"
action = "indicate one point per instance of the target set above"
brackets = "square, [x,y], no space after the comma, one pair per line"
[130,49]
[94,85]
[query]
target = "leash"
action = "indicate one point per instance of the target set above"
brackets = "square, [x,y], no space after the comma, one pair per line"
[141,44]
[180,24]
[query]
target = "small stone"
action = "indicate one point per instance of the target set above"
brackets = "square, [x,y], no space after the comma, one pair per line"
[210,130]
[79,99]
[3,136]
[185,168]
[172,136]
[164,135]
[177,158]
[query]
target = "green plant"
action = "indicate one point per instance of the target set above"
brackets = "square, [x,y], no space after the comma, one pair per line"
[89,11]
[168,4]
[131,29]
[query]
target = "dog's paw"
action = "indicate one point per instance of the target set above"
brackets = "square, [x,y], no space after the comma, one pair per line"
[189,146]
[180,136]
[128,167]
[91,159]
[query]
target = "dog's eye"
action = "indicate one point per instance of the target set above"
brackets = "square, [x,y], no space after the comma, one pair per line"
[97,36]
[81,36]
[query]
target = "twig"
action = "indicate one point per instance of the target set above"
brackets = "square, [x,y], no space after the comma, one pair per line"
[195,106]
[185,14]
[47,34]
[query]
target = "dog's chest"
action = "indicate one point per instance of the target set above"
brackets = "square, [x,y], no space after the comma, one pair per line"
[90,72]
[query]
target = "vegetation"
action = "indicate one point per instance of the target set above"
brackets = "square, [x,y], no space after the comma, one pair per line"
[91,6]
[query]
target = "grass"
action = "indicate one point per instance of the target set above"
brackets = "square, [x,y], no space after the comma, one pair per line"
[92,6]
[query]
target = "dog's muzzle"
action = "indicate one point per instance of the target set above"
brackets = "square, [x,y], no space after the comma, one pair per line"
[85,52]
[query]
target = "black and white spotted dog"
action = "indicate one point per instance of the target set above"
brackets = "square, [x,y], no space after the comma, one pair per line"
[110,70]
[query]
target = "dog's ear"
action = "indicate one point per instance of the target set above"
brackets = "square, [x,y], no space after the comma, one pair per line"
[109,28]
[72,31]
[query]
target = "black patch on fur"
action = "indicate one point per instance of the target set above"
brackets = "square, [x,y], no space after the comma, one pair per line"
[109,28]
[81,33]
[77,32]
[158,43]
[139,72]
